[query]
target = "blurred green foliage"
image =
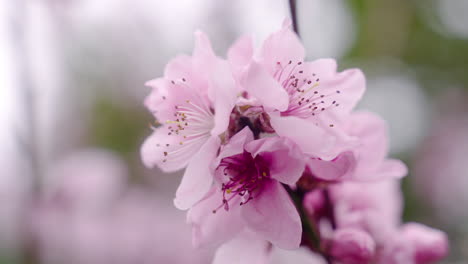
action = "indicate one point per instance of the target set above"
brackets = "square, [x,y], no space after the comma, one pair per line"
[117,127]
[401,29]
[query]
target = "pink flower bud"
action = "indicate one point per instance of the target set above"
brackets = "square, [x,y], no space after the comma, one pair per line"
[352,246]
[429,244]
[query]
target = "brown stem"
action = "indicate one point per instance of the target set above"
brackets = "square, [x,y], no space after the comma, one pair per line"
[293,9]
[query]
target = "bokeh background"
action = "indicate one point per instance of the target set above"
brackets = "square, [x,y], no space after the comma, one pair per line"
[72,186]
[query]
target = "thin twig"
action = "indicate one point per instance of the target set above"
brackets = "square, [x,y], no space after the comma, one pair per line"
[293,9]
[315,239]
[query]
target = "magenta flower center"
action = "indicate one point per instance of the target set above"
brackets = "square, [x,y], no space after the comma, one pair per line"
[242,176]
[306,97]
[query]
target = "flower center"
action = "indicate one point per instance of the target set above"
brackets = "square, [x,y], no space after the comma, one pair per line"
[242,176]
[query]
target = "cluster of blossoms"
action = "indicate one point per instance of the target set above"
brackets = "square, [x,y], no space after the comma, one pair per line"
[275,156]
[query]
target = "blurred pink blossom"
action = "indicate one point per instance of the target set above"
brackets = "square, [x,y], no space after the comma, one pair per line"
[89,214]
[440,173]
[364,225]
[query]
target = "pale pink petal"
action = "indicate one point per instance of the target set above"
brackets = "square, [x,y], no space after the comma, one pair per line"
[167,95]
[156,101]
[312,139]
[339,92]
[390,168]
[182,69]
[273,216]
[244,248]
[202,52]
[371,153]
[322,68]
[213,229]
[236,143]
[339,168]
[282,46]
[372,132]
[198,176]
[204,60]
[164,151]
[241,52]
[351,84]
[284,156]
[224,90]
[178,68]
[264,88]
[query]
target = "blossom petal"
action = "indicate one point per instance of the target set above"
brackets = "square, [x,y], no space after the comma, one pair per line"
[182,68]
[323,69]
[372,130]
[273,216]
[204,60]
[311,138]
[429,245]
[346,88]
[236,143]
[245,248]
[156,101]
[202,52]
[241,52]
[286,161]
[391,168]
[213,229]
[198,176]
[371,153]
[224,92]
[337,169]
[282,46]
[164,151]
[178,68]
[264,88]
[353,246]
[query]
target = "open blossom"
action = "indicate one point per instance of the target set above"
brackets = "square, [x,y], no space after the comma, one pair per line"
[192,103]
[261,126]
[367,161]
[248,194]
[305,101]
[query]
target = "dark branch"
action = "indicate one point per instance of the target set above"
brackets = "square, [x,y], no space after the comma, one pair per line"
[293,9]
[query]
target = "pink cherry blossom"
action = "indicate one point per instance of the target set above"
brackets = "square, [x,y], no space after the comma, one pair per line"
[248,194]
[375,207]
[352,246]
[263,125]
[309,96]
[367,161]
[89,215]
[429,244]
[192,103]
